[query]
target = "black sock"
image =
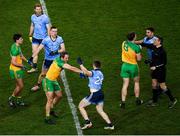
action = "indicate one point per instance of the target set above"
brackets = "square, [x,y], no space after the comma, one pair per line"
[160,91]
[35,65]
[87,121]
[168,93]
[155,95]
[110,124]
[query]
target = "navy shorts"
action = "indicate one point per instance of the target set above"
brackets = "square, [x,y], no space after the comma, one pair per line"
[47,64]
[36,41]
[95,98]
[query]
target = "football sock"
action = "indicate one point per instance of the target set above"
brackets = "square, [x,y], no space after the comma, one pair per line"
[155,95]
[168,93]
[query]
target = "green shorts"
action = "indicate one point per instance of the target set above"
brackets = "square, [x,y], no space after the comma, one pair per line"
[50,86]
[16,74]
[129,70]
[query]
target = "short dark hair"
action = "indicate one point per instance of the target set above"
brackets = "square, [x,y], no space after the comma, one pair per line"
[53,27]
[97,64]
[160,39]
[16,37]
[37,5]
[131,35]
[150,29]
[63,54]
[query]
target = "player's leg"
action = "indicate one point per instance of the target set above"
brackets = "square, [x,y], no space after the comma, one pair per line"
[50,97]
[125,75]
[12,98]
[42,75]
[49,91]
[167,91]
[35,46]
[124,92]
[19,99]
[137,90]
[57,98]
[99,108]
[84,103]
[15,97]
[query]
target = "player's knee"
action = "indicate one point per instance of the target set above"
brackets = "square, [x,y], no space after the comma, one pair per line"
[50,100]
[154,85]
[163,86]
[99,109]
[59,95]
[80,106]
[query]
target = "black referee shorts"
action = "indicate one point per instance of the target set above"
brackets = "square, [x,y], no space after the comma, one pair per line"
[159,74]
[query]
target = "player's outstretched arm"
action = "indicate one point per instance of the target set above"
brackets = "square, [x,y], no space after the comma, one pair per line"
[83,68]
[138,42]
[72,68]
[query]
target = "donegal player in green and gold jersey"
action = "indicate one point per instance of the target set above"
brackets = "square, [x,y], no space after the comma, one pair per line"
[131,53]
[16,70]
[51,86]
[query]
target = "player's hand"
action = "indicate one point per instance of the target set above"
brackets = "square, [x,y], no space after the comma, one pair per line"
[79,61]
[53,53]
[153,68]
[82,75]
[30,39]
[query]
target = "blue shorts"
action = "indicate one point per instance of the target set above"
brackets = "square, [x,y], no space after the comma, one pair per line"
[95,98]
[47,64]
[36,41]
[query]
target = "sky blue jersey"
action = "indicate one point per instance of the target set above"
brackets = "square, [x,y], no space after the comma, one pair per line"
[95,81]
[147,40]
[40,26]
[50,45]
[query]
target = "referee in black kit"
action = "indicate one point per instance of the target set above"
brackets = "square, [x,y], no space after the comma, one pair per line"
[158,67]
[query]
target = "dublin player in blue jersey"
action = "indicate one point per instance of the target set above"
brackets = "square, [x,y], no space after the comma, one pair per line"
[148,39]
[96,96]
[53,45]
[39,29]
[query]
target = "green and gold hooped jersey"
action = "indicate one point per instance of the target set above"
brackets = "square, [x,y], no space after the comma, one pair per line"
[16,51]
[55,69]
[129,51]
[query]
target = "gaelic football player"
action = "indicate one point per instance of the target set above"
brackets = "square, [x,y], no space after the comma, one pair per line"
[39,29]
[96,96]
[131,53]
[51,86]
[53,45]
[16,70]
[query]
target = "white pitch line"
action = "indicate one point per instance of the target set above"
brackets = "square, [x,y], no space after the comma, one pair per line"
[66,86]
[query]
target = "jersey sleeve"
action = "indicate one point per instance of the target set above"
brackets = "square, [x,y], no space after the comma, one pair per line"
[137,49]
[46,20]
[14,51]
[61,40]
